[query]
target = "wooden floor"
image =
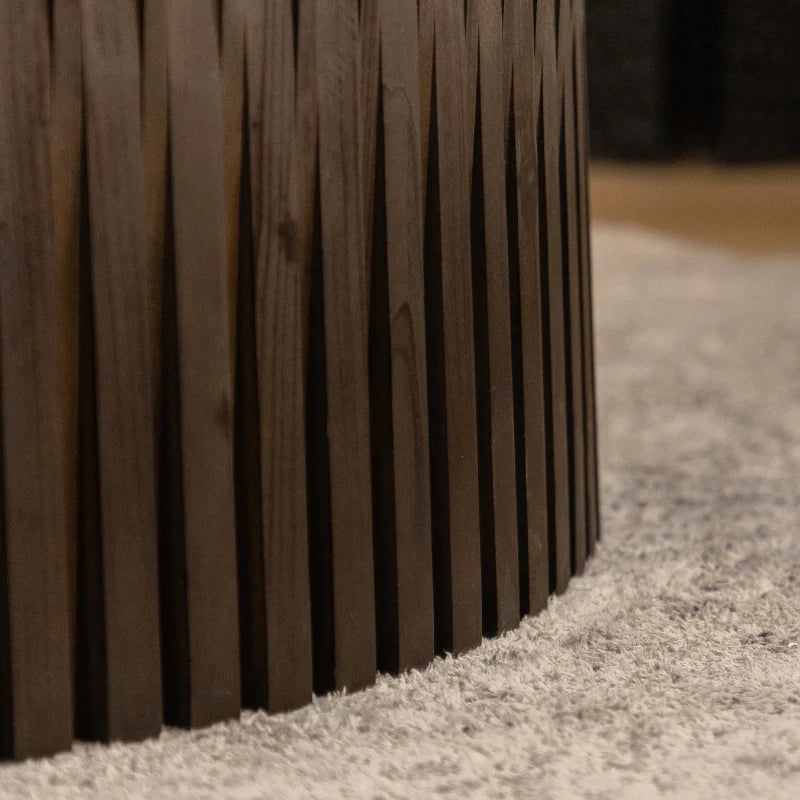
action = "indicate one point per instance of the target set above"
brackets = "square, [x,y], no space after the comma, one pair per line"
[750,208]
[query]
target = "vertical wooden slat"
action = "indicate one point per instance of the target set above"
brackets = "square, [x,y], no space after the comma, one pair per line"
[232,60]
[527,100]
[280,314]
[154,153]
[582,156]
[425,20]
[501,526]
[410,576]
[35,686]
[125,568]
[545,60]
[210,673]
[346,321]
[459,571]
[66,146]
[573,294]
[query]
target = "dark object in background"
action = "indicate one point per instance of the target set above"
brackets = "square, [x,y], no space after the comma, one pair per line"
[759,74]
[629,78]
[716,76]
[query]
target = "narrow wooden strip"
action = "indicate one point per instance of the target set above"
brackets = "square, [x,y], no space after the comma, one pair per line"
[492,166]
[529,198]
[35,696]
[280,315]
[370,36]
[232,58]
[346,321]
[425,19]
[403,203]
[462,528]
[472,13]
[127,621]
[573,292]
[154,153]
[204,367]
[545,53]
[582,155]
[509,11]
[66,144]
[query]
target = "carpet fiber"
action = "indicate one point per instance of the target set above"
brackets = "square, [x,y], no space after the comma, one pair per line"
[670,669]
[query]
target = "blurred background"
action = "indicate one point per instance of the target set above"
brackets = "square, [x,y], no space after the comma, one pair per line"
[695,118]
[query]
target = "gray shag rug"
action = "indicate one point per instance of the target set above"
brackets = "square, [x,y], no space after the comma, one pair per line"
[670,669]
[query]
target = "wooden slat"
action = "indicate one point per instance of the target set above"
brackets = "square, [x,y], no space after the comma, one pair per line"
[346,322]
[127,683]
[458,531]
[66,147]
[582,155]
[500,519]
[529,198]
[209,671]
[232,72]
[154,152]
[545,65]
[280,314]
[35,696]
[403,522]
[573,299]
[425,20]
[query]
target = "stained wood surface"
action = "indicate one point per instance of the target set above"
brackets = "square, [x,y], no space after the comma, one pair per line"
[457,528]
[121,562]
[296,343]
[499,518]
[404,581]
[205,481]
[528,271]
[281,278]
[345,291]
[35,685]
[546,60]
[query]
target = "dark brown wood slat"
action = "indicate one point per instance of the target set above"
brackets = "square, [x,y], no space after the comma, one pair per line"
[345,286]
[120,571]
[552,106]
[209,671]
[458,532]
[66,147]
[280,314]
[499,521]
[232,59]
[425,19]
[35,686]
[573,293]
[529,196]
[404,581]
[154,113]
[582,155]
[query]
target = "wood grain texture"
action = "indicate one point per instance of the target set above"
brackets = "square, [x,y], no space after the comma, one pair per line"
[460,571]
[297,374]
[66,147]
[545,64]
[211,669]
[280,290]
[405,530]
[35,685]
[573,296]
[125,566]
[346,323]
[582,158]
[499,518]
[530,199]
